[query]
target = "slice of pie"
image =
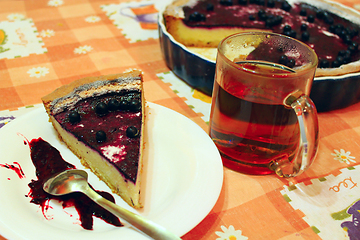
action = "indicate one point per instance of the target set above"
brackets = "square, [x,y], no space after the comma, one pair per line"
[101,119]
[331,30]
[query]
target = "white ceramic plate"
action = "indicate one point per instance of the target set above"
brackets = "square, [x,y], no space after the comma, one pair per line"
[183,179]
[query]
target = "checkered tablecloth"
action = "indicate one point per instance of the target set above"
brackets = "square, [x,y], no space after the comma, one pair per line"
[45,44]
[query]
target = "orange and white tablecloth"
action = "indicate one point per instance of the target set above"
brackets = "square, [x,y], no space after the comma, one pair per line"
[47,43]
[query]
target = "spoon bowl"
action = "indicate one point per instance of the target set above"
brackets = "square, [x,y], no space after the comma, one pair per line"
[66,182]
[75,180]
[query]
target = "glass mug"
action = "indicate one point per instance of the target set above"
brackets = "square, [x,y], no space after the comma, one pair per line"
[262,120]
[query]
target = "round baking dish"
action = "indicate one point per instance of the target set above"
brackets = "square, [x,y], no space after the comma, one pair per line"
[328,93]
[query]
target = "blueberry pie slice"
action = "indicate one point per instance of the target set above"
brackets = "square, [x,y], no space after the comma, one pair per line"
[331,29]
[101,119]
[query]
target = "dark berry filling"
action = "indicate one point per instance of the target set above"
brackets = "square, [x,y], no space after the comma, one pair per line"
[48,161]
[274,55]
[326,33]
[103,125]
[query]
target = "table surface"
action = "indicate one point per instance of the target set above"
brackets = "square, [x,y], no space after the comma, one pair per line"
[45,44]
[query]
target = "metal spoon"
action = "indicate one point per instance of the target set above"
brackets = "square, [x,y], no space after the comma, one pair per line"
[76,181]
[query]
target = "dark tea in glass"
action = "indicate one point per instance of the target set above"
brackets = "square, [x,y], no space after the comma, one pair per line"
[258,103]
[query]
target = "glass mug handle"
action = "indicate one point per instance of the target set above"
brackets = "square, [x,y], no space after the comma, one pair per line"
[306,113]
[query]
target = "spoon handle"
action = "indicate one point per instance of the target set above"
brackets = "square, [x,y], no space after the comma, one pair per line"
[148,227]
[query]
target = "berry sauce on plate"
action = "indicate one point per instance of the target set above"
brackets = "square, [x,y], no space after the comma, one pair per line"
[48,161]
[334,39]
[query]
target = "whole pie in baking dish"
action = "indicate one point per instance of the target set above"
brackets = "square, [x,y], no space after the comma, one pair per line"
[101,119]
[332,31]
